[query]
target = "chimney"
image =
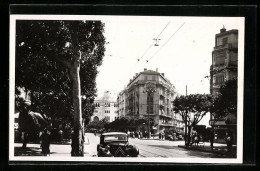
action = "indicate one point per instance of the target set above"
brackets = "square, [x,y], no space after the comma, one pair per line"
[136,74]
[156,69]
[145,69]
[223,29]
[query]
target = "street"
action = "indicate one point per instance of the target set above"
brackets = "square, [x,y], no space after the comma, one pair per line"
[147,148]
[154,148]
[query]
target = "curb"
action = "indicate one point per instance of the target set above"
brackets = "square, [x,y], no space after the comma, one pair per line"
[209,151]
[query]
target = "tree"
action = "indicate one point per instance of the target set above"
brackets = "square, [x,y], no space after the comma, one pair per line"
[129,123]
[98,124]
[192,109]
[58,60]
[224,103]
[228,97]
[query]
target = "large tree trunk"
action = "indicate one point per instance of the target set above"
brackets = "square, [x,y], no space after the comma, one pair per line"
[188,137]
[185,135]
[77,138]
[25,139]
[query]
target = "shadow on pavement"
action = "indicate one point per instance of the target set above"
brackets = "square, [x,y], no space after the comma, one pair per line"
[29,151]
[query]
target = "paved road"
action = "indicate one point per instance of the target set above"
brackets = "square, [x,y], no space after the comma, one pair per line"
[155,148]
[147,148]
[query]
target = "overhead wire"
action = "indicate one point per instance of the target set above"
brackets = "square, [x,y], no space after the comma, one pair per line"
[153,42]
[164,43]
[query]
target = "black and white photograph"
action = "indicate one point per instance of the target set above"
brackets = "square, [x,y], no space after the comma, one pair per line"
[118,88]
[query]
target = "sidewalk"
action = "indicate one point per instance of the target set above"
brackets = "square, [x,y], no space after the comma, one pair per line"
[56,149]
[217,148]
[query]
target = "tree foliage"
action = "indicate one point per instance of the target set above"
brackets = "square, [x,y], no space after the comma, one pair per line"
[43,48]
[192,109]
[224,101]
[228,97]
[56,61]
[100,124]
[129,123]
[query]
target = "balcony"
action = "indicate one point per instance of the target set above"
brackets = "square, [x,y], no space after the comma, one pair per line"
[162,103]
[228,46]
[165,123]
[169,115]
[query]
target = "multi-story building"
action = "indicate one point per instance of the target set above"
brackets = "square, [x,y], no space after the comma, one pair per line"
[105,107]
[121,103]
[134,101]
[223,68]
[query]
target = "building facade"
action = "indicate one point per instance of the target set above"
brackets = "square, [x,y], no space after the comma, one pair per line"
[121,101]
[134,101]
[106,107]
[224,68]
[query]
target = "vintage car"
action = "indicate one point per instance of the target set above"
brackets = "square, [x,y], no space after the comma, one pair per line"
[115,144]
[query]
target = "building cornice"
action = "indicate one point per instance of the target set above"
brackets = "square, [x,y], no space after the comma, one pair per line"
[226,33]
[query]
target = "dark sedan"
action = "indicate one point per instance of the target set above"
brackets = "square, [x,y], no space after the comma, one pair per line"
[115,144]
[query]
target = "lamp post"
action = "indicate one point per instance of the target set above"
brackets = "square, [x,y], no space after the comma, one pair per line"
[149,88]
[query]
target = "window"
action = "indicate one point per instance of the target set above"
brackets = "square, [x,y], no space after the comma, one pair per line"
[224,41]
[219,79]
[149,104]
[220,60]
[145,77]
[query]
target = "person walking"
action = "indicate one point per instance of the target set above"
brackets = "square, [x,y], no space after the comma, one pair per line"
[229,141]
[45,139]
[60,135]
[211,139]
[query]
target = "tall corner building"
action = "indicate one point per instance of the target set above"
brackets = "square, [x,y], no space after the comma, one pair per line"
[224,58]
[133,101]
[223,68]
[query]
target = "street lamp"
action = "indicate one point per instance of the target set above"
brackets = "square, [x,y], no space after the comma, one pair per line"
[149,88]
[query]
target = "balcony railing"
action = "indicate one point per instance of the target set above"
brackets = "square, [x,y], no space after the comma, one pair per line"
[228,45]
[165,123]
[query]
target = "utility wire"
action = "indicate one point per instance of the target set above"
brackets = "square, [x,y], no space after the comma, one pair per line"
[165,43]
[153,41]
[138,60]
[163,29]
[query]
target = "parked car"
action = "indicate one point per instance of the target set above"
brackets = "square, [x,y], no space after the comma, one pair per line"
[115,144]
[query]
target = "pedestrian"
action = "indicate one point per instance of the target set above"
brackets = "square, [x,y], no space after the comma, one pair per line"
[211,139]
[163,135]
[160,136]
[141,135]
[229,141]
[196,140]
[145,134]
[60,135]
[45,142]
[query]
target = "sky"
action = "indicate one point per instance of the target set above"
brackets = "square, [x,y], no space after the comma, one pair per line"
[183,55]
